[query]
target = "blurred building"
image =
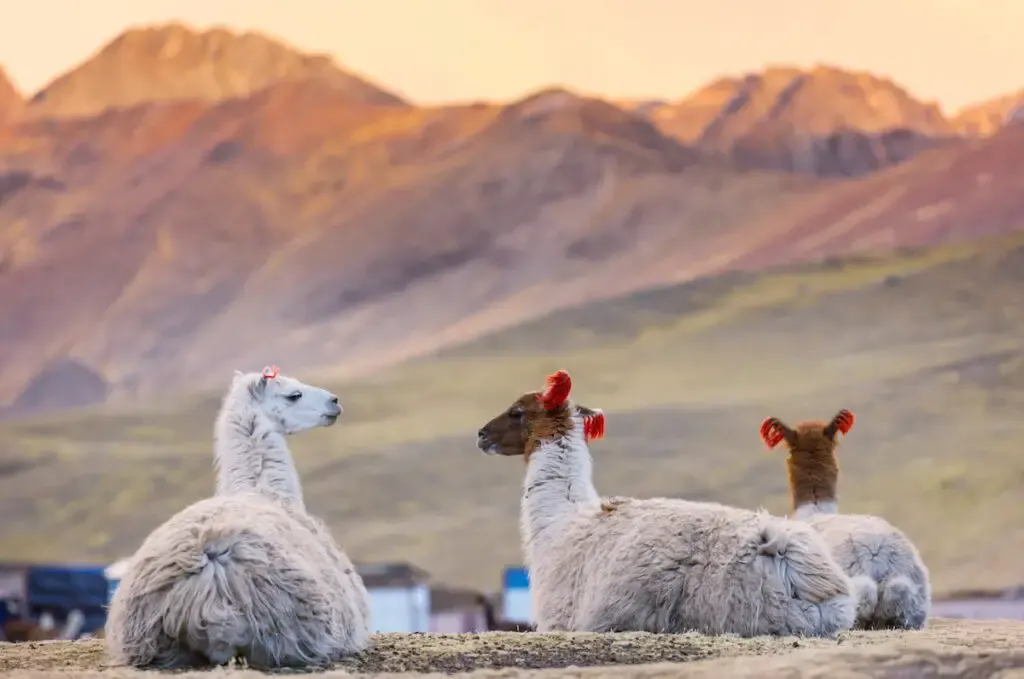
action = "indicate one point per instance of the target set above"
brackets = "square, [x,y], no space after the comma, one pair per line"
[399,597]
[515,601]
[456,610]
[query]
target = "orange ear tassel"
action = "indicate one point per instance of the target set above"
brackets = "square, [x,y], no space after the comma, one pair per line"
[593,426]
[771,432]
[557,391]
[271,372]
[844,421]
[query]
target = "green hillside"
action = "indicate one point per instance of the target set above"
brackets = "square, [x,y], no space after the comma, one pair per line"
[925,347]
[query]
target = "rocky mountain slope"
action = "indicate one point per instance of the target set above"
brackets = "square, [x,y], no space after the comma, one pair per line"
[230,201]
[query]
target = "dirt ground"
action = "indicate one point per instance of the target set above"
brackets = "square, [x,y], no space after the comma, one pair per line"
[948,648]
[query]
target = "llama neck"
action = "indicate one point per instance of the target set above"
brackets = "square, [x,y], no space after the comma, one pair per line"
[251,455]
[559,479]
[812,485]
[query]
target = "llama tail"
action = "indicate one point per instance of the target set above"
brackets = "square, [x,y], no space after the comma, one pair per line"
[203,606]
[865,591]
[805,562]
[901,604]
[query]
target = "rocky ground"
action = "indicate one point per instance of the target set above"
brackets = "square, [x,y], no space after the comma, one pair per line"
[948,648]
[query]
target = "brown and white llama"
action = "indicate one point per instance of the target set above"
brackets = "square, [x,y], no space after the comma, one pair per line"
[247,573]
[886,569]
[659,564]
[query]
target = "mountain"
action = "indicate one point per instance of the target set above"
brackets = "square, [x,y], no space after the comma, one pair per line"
[990,116]
[172,61]
[314,225]
[924,346]
[825,121]
[11,101]
[291,224]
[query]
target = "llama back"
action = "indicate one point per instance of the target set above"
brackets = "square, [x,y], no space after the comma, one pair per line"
[869,547]
[219,580]
[723,567]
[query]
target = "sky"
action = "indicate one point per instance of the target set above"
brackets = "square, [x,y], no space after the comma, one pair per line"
[956,52]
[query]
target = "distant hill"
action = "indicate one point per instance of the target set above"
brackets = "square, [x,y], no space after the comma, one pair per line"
[172,61]
[925,347]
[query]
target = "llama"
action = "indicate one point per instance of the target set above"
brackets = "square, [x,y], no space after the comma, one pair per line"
[656,565]
[246,573]
[887,571]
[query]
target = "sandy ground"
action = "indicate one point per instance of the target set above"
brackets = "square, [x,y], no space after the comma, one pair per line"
[948,648]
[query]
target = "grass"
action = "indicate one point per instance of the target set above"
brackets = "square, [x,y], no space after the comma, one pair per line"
[925,347]
[978,647]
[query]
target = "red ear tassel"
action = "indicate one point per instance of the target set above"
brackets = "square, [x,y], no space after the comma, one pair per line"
[593,426]
[271,372]
[844,421]
[771,432]
[557,391]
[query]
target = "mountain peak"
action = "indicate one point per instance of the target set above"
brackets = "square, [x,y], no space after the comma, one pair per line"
[11,100]
[814,118]
[174,61]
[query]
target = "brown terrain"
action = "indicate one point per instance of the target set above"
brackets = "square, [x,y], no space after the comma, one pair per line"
[186,202]
[947,648]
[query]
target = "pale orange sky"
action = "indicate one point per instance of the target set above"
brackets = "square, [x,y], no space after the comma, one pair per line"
[954,51]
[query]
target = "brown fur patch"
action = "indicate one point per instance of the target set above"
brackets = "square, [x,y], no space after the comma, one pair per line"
[812,464]
[546,425]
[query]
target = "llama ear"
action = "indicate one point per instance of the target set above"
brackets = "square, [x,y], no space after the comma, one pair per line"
[557,391]
[593,423]
[773,431]
[841,423]
[258,388]
[238,374]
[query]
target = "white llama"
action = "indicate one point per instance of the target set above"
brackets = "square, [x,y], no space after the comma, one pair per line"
[656,565]
[887,570]
[246,573]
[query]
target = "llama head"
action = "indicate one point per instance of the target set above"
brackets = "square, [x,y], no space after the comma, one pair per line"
[812,438]
[812,464]
[292,406]
[537,417]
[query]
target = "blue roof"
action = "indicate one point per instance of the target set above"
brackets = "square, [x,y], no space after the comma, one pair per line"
[516,577]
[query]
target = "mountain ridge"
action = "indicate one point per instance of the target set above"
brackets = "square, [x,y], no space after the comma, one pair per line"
[172,61]
[295,220]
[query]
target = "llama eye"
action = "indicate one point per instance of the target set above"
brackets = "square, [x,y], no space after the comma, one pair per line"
[294,396]
[516,414]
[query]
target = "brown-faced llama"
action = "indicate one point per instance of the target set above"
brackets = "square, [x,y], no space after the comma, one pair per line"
[888,574]
[247,573]
[657,565]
